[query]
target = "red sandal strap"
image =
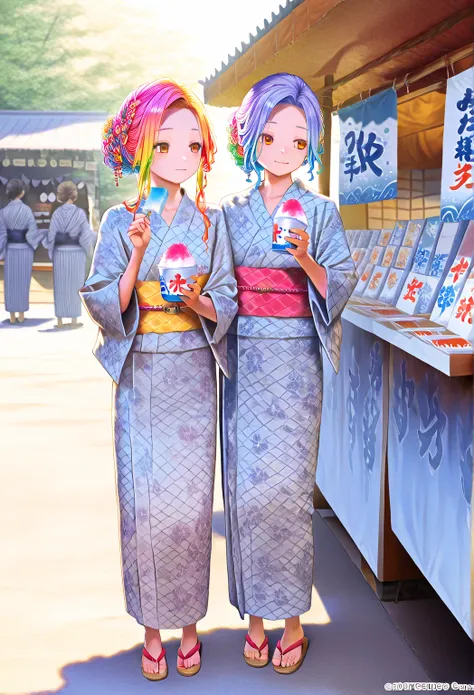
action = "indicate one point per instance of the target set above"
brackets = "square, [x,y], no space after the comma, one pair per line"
[191,652]
[259,649]
[148,656]
[297,644]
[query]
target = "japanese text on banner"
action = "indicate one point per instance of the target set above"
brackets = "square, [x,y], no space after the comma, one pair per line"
[457,184]
[368,150]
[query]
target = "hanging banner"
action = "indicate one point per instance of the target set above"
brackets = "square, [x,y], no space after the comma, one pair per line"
[368,150]
[457,191]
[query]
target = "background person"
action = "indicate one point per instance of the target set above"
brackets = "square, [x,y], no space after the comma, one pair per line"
[69,242]
[19,237]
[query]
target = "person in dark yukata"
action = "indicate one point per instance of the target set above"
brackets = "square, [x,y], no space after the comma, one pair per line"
[290,302]
[162,357]
[19,238]
[69,242]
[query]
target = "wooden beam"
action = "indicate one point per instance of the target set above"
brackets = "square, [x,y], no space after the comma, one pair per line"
[326,108]
[437,29]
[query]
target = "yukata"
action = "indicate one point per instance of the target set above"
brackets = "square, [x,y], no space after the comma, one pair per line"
[165,409]
[271,408]
[19,237]
[69,242]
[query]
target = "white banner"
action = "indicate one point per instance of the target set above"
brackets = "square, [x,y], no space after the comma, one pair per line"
[457,192]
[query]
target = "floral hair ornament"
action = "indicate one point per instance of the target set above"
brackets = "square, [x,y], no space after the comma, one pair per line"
[234,145]
[115,136]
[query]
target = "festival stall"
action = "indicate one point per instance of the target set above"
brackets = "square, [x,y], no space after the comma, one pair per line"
[42,149]
[399,472]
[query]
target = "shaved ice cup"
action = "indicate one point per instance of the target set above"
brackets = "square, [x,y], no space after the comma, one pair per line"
[176,268]
[290,215]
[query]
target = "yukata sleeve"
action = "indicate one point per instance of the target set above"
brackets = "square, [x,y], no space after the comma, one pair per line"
[333,254]
[50,238]
[3,236]
[100,293]
[86,235]
[34,236]
[222,289]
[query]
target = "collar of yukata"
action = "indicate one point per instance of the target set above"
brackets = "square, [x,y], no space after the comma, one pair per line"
[256,199]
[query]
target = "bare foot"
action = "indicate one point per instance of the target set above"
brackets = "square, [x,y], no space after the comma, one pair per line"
[257,634]
[290,636]
[21,316]
[153,646]
[188,641]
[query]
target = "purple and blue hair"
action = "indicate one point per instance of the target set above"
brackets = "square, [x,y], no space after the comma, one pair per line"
[248,121]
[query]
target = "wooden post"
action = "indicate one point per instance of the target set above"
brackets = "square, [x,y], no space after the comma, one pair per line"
[326,107]
[319,500]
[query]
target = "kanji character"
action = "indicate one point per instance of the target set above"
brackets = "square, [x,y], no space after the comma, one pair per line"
[367,154]
[464,149]
[464,177]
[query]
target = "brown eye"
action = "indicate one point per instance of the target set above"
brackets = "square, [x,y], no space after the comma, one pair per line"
[162,147]
[195,147]
[267,139]
[300,144]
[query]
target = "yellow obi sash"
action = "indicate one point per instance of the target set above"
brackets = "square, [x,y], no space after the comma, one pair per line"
[175,316]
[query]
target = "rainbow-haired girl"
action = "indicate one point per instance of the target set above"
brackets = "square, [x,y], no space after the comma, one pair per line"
[290,301]
[161,356]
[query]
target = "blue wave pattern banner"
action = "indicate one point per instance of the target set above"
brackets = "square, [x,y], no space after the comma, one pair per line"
[457,182]
[368,150]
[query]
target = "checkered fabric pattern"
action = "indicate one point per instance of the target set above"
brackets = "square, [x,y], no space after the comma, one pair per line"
[276,303]
[100,294]
[149,294]
[271,418]
[165,474]
[250,228]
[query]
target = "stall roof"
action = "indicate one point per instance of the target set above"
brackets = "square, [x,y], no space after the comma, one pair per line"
[51,130]
[316,38]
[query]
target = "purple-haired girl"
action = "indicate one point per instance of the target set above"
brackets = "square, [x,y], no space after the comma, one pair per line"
[290,302]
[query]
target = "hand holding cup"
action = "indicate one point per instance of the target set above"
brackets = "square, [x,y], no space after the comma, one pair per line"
[191,296]
[301,242]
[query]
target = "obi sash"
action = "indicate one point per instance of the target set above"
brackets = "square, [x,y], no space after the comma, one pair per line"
[160,316]
[64,239]
[16,236]
[277,292]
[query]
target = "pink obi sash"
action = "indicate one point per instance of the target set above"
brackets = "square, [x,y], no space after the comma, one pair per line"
[278,292]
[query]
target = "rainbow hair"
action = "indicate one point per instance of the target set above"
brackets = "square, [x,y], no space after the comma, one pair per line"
[128,137]
[247,122]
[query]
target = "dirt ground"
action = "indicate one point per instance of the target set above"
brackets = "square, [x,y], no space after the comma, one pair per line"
[63,623]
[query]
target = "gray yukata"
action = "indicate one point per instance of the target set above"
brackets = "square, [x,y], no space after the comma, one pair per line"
[165,415]
[18,221]
[69,242]
[272,410]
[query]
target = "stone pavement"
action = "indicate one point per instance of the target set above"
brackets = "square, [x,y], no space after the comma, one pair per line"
[63,627]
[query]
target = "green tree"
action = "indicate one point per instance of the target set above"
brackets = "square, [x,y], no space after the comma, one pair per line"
[47,63]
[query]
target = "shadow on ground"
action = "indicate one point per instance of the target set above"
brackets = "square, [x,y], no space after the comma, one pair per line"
[223,671]
[66,327]
[26,323]
[355,652]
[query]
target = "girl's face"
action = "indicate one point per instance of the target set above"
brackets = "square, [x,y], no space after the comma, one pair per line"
[283,145]
[178,146]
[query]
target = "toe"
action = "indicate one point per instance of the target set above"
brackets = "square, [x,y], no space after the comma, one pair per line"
[250,653]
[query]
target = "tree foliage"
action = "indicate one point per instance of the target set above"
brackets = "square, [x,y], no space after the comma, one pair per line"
[49,62]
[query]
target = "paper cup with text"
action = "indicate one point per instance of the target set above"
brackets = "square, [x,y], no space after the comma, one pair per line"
[290,215]
[176,268]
